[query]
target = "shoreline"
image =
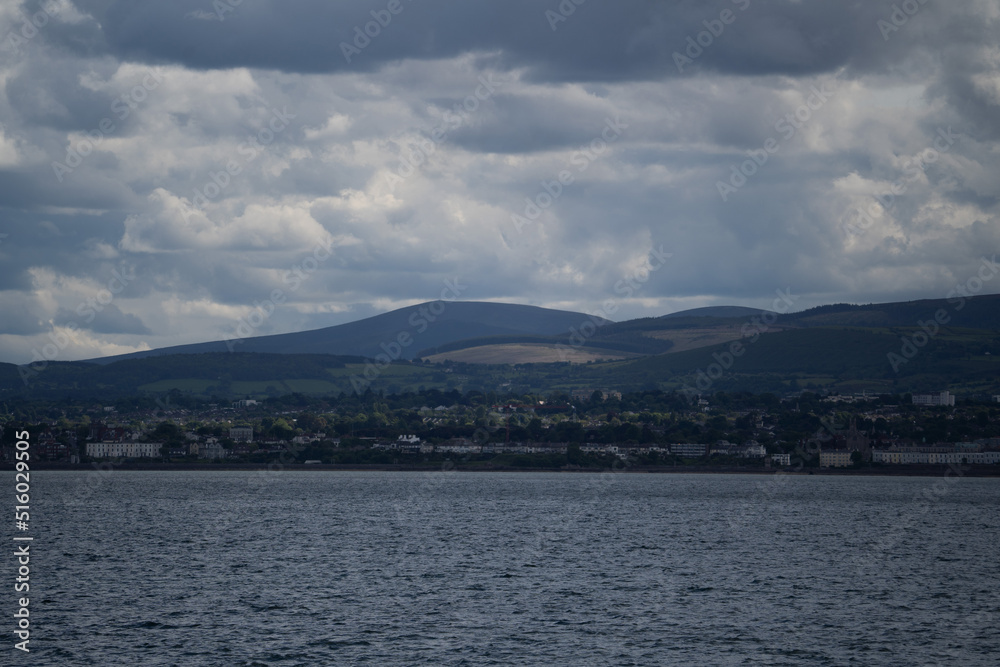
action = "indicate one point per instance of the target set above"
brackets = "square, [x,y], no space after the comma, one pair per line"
[985,471]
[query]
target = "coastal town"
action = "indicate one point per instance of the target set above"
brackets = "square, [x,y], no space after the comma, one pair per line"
[583,429]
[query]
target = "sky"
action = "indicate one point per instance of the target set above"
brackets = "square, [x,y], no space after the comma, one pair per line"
[170,169]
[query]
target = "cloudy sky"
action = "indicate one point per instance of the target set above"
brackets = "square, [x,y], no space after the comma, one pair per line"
[167,168]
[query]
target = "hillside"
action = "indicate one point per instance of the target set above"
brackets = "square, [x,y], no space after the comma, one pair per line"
[840,359]
[724,312]
[838,348]
[492,333]
[426,325]
[981,312]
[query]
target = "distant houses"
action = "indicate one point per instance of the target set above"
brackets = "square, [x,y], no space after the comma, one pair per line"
[586,394]
[100,432]
[241,433]
[48,447]
[413,444]
[944,398]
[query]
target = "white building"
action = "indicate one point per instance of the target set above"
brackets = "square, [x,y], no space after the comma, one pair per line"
[939,458]
[781,459]
[459,447]
[688,450]
[944,398]
[211,450]
[124,450]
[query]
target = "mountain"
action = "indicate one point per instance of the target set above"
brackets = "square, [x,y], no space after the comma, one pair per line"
[400,333]
[716,311]
[920,346]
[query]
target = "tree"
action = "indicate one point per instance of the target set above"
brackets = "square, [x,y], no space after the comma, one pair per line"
[166,431]
[569,431]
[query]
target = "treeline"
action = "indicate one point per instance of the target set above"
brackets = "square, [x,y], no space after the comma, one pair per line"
[73,379]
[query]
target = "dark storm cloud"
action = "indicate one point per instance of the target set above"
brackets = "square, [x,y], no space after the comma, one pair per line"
[622,40]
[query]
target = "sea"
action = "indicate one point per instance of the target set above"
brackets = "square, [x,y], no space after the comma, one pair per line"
[279,568]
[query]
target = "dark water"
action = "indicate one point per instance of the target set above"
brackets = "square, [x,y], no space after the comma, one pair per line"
[333,568]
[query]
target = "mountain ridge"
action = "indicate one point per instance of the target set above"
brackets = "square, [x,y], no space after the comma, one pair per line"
[404,331]
[926,345]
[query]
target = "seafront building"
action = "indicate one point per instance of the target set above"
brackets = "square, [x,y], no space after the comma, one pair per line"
[124,450]
[687,450]
[211,449]
[845,443]
[835,458]
[961,453]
